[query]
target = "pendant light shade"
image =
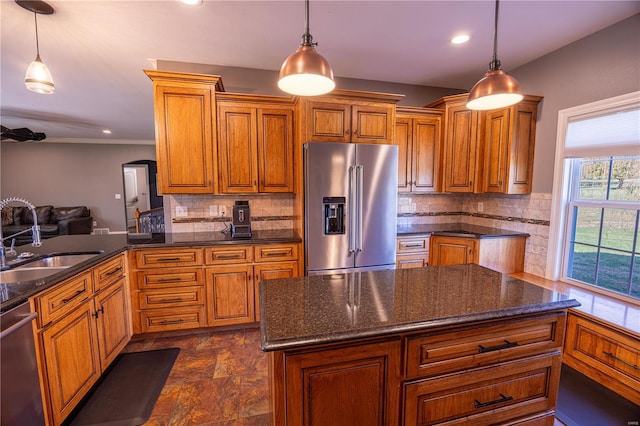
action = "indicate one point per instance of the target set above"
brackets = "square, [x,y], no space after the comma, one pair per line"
[306,72]
[38,77]
[496,89]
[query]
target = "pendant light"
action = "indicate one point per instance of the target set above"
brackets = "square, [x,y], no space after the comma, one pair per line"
[38,78]
[496,89]
[306,72]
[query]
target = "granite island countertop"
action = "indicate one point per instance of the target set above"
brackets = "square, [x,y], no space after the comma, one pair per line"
[457,230]
[322,309]
[106,246]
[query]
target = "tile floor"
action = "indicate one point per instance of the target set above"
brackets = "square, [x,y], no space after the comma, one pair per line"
[220,378]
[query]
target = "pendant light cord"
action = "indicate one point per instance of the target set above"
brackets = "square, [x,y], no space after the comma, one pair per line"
[35,17]
[307,39]
[495,63]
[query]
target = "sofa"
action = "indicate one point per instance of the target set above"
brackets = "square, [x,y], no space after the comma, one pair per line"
[53,221]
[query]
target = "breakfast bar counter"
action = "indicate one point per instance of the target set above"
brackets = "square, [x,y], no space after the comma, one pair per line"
[413,346]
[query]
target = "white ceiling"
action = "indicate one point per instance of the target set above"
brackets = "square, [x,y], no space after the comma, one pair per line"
[96,50]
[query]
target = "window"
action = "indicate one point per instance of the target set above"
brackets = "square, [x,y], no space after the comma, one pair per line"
[602,246]
[594,236]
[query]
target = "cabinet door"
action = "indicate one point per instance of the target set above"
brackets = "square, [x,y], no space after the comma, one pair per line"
[372,124]
[426,153]
[73,364]
[275,150]
[460,149]
[112,322]
[271,272]
[237,147]
[184,139]
[452,251]
[403,139]
[521,148]
[495,154]
[230,295]
[328,122]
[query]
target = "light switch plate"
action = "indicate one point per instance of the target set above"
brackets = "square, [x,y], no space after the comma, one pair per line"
[213,210]
[222,211]
[182,211]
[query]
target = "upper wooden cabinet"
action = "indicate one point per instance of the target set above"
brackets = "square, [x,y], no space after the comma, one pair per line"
[349,116]
[419,140]
[184,108]
[255,145]
[488,151]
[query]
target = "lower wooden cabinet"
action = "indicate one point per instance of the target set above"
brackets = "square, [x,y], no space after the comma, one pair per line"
[75,348]
[607,355]
[503,254]
[230,295]
[412,252]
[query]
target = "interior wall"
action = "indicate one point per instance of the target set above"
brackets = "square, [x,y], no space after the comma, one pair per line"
[70,175]
[602,65]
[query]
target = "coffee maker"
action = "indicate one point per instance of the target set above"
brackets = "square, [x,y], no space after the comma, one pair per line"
[241,220]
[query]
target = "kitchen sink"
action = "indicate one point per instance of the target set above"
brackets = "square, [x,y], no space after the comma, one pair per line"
[44,267]
[28,274]
[58,261]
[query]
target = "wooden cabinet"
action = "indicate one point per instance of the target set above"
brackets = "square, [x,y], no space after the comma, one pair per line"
[184,112]
[606,354]
[78,342]
[419,140]
[350,116]
[255,144]
[168,291]
[503,254]
[412,252]
[356,385]
[488,151]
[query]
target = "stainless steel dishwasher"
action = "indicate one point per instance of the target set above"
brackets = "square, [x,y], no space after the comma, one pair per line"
[21,403]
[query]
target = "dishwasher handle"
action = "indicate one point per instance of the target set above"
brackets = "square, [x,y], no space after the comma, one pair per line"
[14,327]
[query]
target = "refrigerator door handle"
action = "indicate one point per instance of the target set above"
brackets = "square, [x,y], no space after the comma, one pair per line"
[360,178]
[352,210]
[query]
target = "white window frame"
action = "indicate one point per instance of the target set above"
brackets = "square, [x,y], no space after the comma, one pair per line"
[555,269]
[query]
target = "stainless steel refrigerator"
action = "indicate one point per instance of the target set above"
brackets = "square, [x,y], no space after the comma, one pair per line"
[350,206]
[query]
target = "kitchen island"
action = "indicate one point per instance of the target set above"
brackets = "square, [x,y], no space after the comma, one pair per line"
[435,345]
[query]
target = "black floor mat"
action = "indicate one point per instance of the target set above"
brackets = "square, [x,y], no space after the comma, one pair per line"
[129,390]
[585,402]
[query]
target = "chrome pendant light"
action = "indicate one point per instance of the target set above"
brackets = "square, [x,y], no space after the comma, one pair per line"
[496,89]
[306,72]
[38,77]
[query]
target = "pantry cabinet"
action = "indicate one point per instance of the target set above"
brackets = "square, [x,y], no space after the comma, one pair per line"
[255,144]
[419,139]
[84,324]
[185,125]
[488,151]
[350,116]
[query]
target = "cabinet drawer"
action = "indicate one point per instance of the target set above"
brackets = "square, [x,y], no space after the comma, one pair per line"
[168,258]
[168,278]
[468,347]
[497,394]
[605,349]
[228,254]
[187,296]
[406,261]
[412,245]
[108,272]
[172,319]
[63,298]
[276,252]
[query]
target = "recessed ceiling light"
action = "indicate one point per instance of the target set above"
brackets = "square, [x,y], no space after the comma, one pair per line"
[192,2]
[106,131]
[460,39]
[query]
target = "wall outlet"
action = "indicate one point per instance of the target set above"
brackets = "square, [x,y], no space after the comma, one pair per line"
[222,211]
[182,211]
[118,196]
[95,223]
[213,210]
[480,207]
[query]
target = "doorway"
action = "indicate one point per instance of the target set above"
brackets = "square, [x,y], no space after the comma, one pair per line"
[140,190]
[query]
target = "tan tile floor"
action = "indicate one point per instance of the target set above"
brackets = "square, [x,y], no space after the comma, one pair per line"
[219,378]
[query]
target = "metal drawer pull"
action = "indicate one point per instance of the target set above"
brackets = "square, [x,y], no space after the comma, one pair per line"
[628,364]
[169,280]
[507,344]
[229,256]
[503,398]
[411,245]
[69,299]
[115,271]
[178,321]
[277,253]
[168,259]
[175,299]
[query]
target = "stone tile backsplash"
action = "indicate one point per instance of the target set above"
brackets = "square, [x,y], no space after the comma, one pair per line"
[523,213]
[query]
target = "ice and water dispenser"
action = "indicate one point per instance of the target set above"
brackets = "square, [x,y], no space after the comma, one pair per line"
[333,215]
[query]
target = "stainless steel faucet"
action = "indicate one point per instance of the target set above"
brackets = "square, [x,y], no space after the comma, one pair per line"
[35,229]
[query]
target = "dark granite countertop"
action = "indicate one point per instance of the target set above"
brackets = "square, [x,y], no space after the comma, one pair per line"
[457,230]
[321,309]
[13,294]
